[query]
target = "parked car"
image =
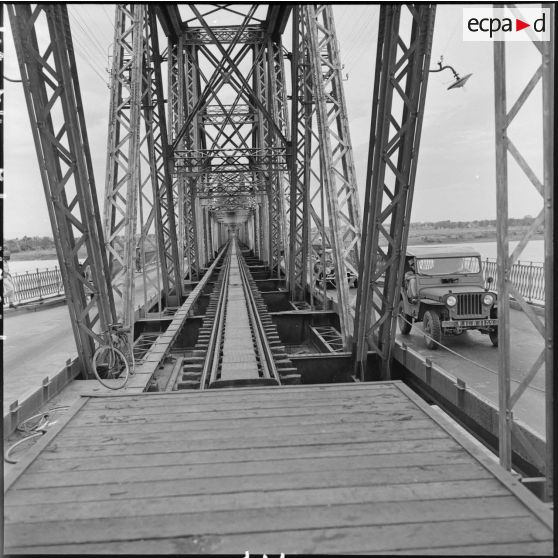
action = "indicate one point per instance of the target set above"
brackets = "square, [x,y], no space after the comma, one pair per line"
[444,289]
[328,271]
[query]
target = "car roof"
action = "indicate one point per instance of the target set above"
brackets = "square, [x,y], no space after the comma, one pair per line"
[441,251]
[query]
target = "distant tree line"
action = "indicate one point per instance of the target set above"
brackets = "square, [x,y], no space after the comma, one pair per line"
[29,243]
[523,221]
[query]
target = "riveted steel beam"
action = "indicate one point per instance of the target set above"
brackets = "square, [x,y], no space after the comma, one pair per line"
[505,145]
[53,97]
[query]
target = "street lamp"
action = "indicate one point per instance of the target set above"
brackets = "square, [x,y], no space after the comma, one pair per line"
[459,81]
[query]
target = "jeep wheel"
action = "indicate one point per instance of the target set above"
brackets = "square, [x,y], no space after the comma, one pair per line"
[494,336]
[432,328]
[404,320]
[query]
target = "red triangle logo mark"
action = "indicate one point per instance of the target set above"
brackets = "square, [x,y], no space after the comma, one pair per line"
[519,24]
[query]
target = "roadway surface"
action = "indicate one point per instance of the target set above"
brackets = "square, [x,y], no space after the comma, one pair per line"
[39,343]
[526,345]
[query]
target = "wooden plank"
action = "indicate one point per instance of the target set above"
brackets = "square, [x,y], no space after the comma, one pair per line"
[231,455]
[160,430]
[238,420]
[254,499]
[141,443]
[196,503]
[142,450]
[420,527]
[190,545]
[183,472]
[101,417]
[397,409]
[232,403]
[496,549]
[224,394]
[277,481]
[275,428]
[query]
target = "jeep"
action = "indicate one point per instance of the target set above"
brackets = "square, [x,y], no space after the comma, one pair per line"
[444,289]
[330,271]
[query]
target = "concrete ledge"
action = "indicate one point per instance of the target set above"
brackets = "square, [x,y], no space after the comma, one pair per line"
[537,308]
[476,413]
[35,305]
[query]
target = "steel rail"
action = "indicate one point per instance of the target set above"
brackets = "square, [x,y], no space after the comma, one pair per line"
[211,364]
[267,362]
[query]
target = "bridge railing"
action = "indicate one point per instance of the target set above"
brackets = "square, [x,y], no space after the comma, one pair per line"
[527,278]
[40,284]
[37,285]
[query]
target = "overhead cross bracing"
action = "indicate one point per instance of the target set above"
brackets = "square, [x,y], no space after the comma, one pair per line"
[238,156]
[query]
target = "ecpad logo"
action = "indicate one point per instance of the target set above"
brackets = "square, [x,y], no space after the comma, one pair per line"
[506,24]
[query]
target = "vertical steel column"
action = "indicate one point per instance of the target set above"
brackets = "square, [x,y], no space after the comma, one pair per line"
[176,120]
[123,165]
[502,283]
[548,78]
[301,137]
[192,141]
[53,97]
[398,107]
[258,233]
[511,438]
[275,86]
[283,123]
[263,138]
[160,163]
[337,169]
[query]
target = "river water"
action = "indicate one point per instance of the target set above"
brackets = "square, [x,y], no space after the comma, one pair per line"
[533,252]
[31,266]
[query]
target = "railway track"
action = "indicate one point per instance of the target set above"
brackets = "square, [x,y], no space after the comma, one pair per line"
[237,343]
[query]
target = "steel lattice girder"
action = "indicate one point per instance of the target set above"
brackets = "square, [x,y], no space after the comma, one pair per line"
[508,434]
[136,98]
[399,95]
[53,97]
[225,143]
[324,180]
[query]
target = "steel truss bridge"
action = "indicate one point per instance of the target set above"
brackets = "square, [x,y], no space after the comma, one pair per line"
[232,131]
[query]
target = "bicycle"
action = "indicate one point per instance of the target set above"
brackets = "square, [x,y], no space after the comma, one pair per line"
[33,427]
[115,359]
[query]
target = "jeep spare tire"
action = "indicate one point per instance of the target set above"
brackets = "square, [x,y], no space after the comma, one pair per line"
[432,329]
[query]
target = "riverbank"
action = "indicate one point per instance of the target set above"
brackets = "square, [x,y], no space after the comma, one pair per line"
[33,255]
[458,236]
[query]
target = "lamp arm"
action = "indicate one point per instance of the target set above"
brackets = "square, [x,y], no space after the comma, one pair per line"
[455,74]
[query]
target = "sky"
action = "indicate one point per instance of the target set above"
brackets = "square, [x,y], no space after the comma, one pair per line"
[456,170]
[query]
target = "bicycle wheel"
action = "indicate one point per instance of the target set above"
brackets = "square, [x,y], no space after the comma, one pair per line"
[109,364]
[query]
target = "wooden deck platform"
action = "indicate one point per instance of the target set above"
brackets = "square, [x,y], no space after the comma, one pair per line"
[344,468]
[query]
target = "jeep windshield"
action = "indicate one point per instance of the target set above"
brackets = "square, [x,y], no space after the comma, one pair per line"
[448,266]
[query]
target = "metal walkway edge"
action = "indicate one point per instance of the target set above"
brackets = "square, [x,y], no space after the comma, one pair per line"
[314,469]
